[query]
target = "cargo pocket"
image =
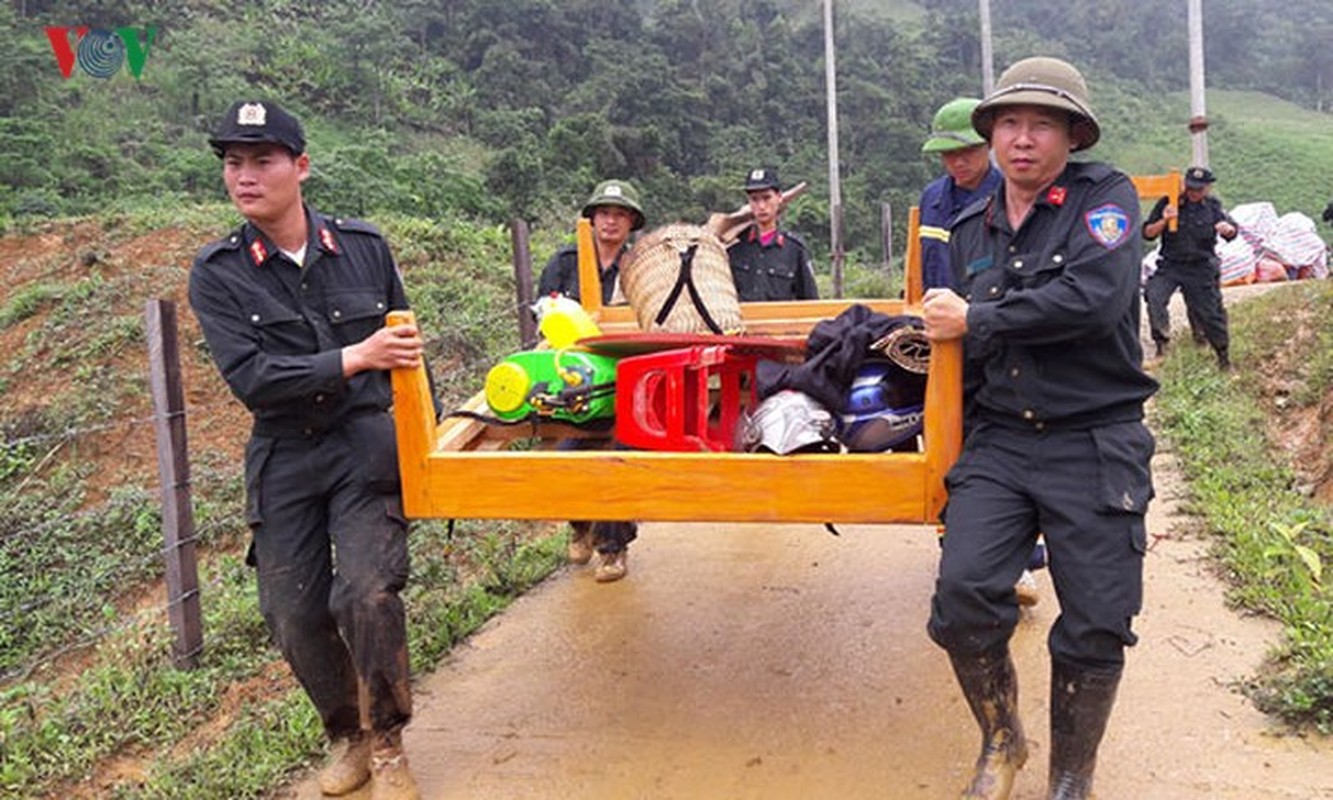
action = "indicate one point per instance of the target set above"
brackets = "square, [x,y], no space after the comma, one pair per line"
[1124,453]
[257,452]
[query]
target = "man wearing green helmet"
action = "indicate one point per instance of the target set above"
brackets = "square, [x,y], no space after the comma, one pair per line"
[615,213]
[969,176]
[1048,309]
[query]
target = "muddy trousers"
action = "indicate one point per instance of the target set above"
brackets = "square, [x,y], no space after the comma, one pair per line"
[1198,283]
[337,619]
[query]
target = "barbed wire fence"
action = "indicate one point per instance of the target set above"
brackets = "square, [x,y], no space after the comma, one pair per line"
[178,553]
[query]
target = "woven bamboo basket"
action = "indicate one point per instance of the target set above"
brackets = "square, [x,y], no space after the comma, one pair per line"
[670,272]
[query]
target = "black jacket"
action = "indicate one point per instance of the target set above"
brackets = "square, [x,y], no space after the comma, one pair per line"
[1053,314]
[779,270]
[1196,231]
[561,275]
[276,330]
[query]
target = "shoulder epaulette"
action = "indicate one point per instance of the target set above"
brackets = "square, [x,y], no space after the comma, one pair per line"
[1094,171]
[231,241]
[355,226]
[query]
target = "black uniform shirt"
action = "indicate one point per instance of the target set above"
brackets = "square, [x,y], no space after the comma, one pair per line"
[1053,315]
[561,275]
[779,270]
[276,330]
[1196,229]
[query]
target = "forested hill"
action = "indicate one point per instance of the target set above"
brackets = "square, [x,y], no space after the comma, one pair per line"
[487,109]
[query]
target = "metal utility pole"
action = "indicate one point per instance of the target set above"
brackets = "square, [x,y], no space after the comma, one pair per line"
[834,185]
[1198,111]
[987,59]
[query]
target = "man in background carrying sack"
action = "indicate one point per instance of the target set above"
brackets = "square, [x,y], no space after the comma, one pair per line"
[768,263]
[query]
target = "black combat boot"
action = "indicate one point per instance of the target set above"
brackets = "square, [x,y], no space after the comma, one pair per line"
[1160,345]
[1223,359]
[1081,701]
[991,688]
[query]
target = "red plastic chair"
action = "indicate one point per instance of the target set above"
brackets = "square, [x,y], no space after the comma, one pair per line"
[663,401]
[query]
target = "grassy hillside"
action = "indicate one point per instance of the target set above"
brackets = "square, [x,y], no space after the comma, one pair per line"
[1262,148]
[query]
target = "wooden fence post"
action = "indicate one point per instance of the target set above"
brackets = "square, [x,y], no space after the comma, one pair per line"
[173,467]
[886,236]
[527,325]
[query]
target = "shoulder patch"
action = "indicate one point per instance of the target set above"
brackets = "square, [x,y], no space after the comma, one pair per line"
[1108,224]
[355,226]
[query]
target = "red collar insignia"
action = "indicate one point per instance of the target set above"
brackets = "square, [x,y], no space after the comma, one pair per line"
[1056,195]
[326,239]
[258,252]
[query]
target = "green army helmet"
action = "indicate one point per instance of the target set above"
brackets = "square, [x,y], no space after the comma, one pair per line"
[616,193]
[1046,82]
[952,127]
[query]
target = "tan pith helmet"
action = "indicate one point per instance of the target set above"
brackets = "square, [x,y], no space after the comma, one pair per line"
[1046,82]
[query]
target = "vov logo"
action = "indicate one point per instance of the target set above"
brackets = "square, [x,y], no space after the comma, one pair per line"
[99,52]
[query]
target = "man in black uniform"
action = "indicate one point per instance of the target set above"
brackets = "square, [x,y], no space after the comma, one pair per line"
[1054,434]
[292,305]
[768,263]
[1189,262]
[615,213]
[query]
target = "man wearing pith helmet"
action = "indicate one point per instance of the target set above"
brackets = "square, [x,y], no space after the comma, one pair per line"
[615,213]
[968,176]
[1047,308]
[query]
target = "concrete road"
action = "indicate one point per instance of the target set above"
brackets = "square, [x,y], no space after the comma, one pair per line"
[748,661]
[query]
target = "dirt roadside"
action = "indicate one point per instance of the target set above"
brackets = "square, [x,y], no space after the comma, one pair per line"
[750,661]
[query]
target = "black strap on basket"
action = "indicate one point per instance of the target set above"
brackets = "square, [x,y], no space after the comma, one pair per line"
[685,280]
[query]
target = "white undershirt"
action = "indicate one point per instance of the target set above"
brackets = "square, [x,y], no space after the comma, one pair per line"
[297,256]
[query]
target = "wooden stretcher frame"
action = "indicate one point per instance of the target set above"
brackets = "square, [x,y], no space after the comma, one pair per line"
[463,468]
